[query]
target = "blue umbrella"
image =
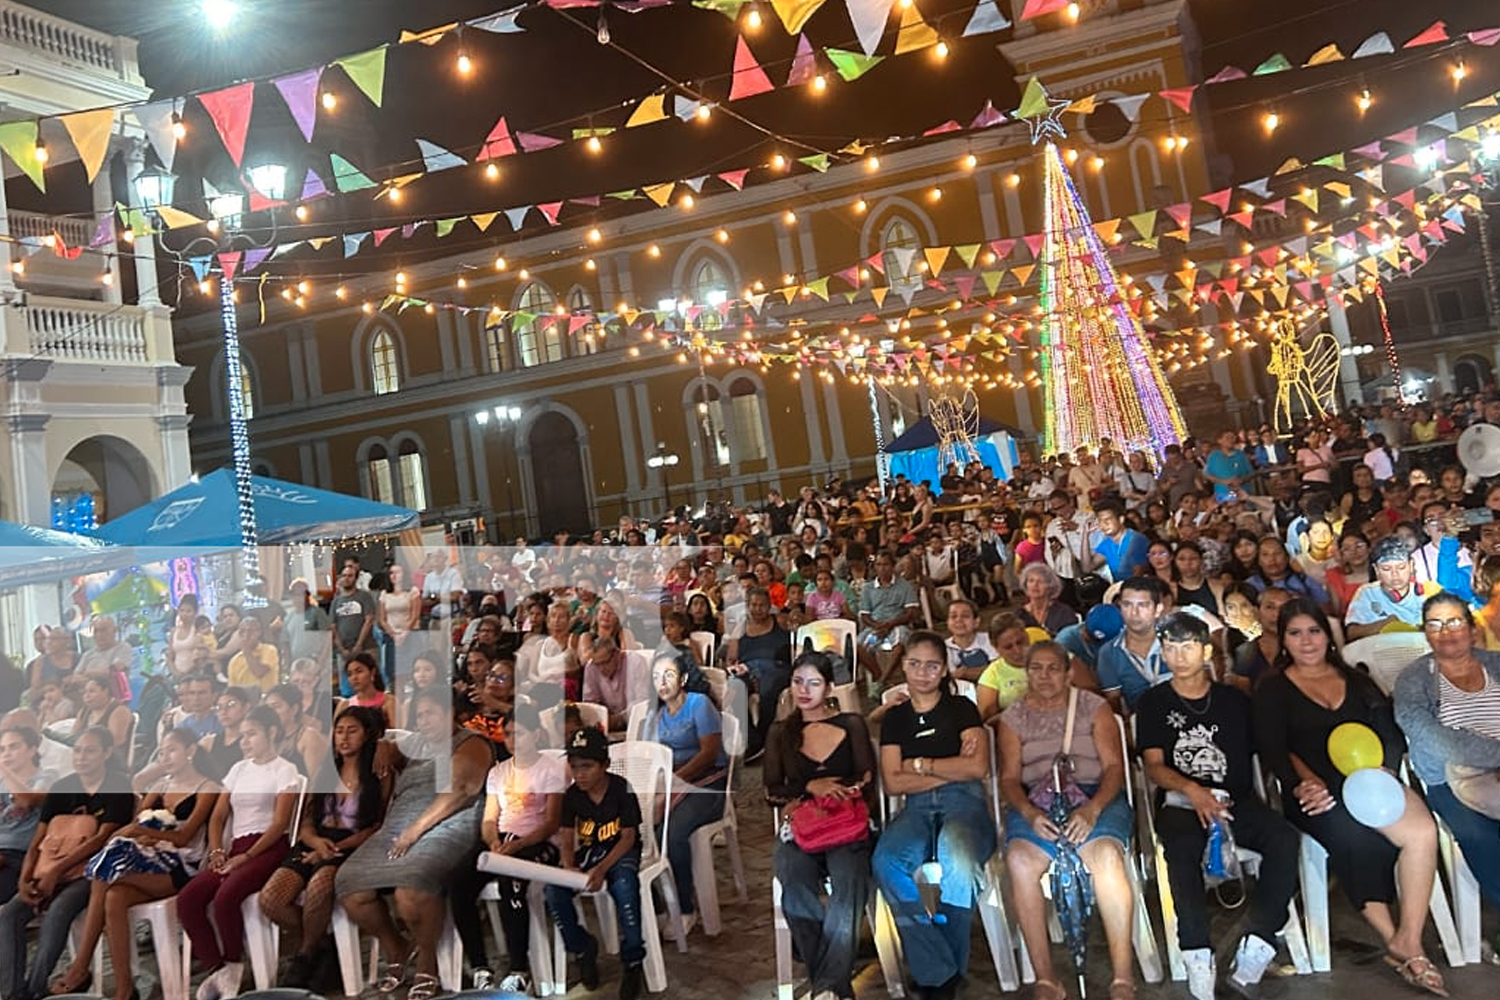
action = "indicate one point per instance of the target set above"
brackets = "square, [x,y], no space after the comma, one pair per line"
[1072,882]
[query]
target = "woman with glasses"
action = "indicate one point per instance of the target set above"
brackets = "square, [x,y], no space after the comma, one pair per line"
[1351,571]
[223,747]
[1448,705]
[933,750]
[820,753]
[1035,734]
[1295,712]
[496,698]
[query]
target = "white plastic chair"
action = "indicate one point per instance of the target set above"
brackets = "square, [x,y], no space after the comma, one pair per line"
[718,684]
[966,688]
[1387,654]
[705,645]
[450,954]
[648,768]
[705,874]
[173,963]
[828,635]
[262,937]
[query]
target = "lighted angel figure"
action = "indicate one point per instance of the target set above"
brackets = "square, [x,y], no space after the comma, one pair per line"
[1305,375]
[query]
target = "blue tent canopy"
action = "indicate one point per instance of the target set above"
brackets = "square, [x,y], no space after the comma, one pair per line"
[39,555]
[917,455]
[205,515]
[923,434]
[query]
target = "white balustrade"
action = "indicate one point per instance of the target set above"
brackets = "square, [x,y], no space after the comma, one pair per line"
[30,28]
[77,330]
[75,232]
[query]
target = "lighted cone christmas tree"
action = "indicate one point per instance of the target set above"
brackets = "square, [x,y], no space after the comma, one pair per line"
[1100,377]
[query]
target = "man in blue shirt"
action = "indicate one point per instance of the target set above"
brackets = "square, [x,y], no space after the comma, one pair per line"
[1131,665]
[1228,468]
[1393,602]
[1120,549]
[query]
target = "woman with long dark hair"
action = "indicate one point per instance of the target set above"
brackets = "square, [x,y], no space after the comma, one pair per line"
[1296,709]
[346,807]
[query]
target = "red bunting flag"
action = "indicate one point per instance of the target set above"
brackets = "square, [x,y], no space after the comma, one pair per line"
[1036,8]
[734,178]
[1436,32]
[230,111]
[1219,199]
[550,210]
[1180,96]
[498,143]
[229,263]
[749,78]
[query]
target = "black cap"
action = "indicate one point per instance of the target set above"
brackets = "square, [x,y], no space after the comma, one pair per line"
[589,743]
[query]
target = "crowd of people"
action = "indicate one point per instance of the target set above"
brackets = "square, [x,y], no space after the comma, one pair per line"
[363,751]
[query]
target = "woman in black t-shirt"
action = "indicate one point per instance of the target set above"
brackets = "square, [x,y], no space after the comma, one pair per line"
[820,756]
[934,751]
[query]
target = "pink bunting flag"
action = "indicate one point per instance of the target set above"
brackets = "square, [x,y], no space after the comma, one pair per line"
[498,143]
[1406,137]
[259,202]
[734,178]
[1180,96]
[230,111]
[1034,243]
[532,142]
[592,201]
[1436,32]
[576,323]
[1226,74]
[1002,248]
[229,263]
[1181,213]
[381,235]
[1036,8]
[749,78]
[1485,36]
[948,126]
[300,91]
[1219,199]
[987,117]
[804,65]
[550,210]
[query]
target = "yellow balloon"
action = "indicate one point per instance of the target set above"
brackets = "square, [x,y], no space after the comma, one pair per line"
[1353,746]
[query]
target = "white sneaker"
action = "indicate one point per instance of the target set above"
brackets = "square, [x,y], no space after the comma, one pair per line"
[516,982]
[1251,959]
[223,984]
[1201,972]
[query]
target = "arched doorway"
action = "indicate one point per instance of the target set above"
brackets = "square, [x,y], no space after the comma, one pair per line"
[562,501]
[100,478]
[1470,373]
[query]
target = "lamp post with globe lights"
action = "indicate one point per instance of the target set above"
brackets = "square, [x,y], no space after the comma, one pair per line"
[504,416]
[664,460]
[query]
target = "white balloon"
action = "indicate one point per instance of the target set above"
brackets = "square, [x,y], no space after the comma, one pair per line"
[1374,797]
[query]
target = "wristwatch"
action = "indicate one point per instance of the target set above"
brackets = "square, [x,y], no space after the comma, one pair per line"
[919,765]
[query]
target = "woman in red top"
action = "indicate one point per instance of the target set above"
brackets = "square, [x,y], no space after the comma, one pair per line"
[1030,549]
[1351,571]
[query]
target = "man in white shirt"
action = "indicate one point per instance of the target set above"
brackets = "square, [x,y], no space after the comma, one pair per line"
[1425,558]
[1066,537]
[969,649]
[109,655]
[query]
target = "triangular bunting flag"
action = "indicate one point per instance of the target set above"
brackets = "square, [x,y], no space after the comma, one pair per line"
[967,253]
[652,109]
[18,139]
[818,162]
[444,226]
[437,158]
[1434,33]
[869,18]
[1036,8]
[533,142]
[229,263]
[988,116]
[1144,223]
[498,143]
[1180,96]
[230,110]
[1276,64]
[200,267]
[90,131]
[878,294]
[430,37]
[804,64]
[1327,54]
[104,232]
[346,176]
[851,65]
[734,178]
[483,220]
[1130,107]
[936,258]
[156,122]
[1023,272]
[1227,74]
[991,280]
[1485,36]
[794,13]
[819,288]
[381,235]
[1107,229]
[353,242]
[313,186]
[987,17]
[1378,44]
[176,218]
[550,210]
[914,33]
[749,78]
[300,92]
[1219,199]
[503,23]
[516,216]
[367,72]
[685,107]
[254,258]
[659,193]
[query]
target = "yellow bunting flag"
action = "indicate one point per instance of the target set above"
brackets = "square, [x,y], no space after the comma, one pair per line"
[90,131]
[1084,105]
[1308,198]
[430,37]
[483,220]
[652,109]
[1023,272]
[176,218]
[18,139]
[914,33]
[659,193]
[1327,54]
[819,288]
[795,13]
[878,294]
[936,258]
[1107,229]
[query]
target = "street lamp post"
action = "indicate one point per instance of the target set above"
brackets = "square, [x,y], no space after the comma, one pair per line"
[503,416]
[664,460]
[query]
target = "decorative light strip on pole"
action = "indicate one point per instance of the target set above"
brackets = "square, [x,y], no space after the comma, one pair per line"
[1390,343]
[239,442]
[882,460]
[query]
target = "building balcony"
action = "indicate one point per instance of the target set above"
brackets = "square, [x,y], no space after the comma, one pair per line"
[83,332]
[62,66]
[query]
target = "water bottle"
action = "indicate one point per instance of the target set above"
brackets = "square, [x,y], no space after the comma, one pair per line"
[1213,853]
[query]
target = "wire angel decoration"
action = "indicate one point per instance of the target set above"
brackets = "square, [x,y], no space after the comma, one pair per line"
[1305,375]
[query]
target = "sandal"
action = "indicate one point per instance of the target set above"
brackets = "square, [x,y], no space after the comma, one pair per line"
[1419,971]
[1047,989]
[393,975]
[60,985]
[424,987]
[1122,989]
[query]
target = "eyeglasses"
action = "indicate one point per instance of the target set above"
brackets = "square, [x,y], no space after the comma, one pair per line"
[494,678]
[1436,625]
[925,666]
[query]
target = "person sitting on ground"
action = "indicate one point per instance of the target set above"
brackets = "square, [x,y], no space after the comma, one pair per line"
[1035,733]
[599,834]
[1194,737]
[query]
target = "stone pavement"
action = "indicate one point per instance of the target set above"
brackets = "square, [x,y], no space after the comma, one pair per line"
[739,964]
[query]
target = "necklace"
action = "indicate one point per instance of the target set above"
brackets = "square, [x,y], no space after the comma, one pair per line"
[1187,703]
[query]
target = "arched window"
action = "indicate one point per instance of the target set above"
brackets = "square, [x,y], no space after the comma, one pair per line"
[710,290]
[748,410]
[411,476]
[382,476]
[496,351]
[539,344]
[708,426]
[588,339]
[898,248]
[385,373]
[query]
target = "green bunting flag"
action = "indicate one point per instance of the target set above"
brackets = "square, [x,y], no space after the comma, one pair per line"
[18,139]
[347,177]
[851,65]
[367,71]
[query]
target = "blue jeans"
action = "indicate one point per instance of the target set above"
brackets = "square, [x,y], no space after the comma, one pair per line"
[825,934]
[771,678]
[698,807]
[623,883]
[1476,833]
[71,899]
[936,950]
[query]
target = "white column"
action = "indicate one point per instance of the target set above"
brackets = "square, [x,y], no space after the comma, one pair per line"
[479,462]
[177,467]
[815,455]
[104,204]
[1338,322]
[629,455]
[146,280]
[28,462]
[836,427]
[1444,373]
[6,282]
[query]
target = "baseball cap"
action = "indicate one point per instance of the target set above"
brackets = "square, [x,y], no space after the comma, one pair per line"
[1103,622]
[589,744]
[1390,549]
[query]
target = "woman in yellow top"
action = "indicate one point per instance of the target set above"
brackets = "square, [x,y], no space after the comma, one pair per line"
[1003,682]
[1486,585]
[257,665]
[1424,428]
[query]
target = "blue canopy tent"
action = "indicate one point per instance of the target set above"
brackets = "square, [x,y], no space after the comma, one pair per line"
[204,516]
[919,455]
[31,555]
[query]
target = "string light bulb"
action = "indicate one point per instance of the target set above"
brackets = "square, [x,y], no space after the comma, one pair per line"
[1459,72]
[753,19]
[179,130]
[463,282]
[500,264]
[1364,100]
[872,163]
[819,83]
[790,217]
[970,161]
[1073,11]
[394,193]
[778,162]
[601,31]
[492,171]
[330,100]
[940,50]
[594,236]
[301,213]
[41,154]
[465,64]
[722,236]
[688,201]
[703,112]
[1270,122]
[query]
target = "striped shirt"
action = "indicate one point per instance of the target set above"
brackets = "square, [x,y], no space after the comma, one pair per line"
[1476,711]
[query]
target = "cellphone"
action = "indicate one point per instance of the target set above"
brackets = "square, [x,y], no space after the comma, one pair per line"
[1475,516]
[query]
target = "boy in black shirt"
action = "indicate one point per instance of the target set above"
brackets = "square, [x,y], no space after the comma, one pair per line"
[600,835]
[1195,739]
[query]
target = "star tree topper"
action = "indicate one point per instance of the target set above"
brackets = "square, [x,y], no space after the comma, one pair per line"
[1041,112]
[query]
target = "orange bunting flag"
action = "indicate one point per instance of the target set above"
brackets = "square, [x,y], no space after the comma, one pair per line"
[749,78]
